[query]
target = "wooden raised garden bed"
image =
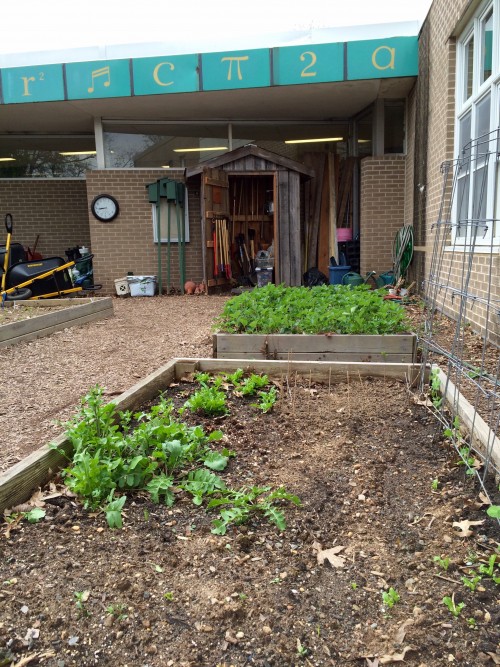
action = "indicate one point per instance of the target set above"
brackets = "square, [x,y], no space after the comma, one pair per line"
[397,348]
[76,312]
[19,481]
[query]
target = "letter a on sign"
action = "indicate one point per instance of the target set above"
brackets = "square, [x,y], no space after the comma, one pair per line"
[392,58]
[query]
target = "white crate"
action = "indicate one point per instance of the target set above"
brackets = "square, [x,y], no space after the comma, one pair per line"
[142,285]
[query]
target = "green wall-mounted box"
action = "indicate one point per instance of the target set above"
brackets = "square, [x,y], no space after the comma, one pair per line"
[153,196]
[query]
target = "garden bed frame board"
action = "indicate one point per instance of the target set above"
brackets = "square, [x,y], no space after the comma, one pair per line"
[18,482]
[78,311]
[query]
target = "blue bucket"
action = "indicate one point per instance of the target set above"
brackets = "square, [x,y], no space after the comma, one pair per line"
[337,274]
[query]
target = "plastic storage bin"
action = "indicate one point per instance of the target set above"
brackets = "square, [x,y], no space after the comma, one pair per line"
[264,275]
[121,287]
[337,274]
[142,285]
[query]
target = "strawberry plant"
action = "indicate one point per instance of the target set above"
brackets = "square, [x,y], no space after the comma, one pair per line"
[338,309]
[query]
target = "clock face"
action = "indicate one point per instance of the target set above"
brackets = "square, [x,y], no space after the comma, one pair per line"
[105,208]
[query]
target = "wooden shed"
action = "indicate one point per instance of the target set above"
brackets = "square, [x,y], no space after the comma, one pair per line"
[250,202]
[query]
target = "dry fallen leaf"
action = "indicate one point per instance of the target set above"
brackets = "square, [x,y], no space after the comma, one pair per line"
[396,657]
[329,554]
[464,527]
[401,632]
[495,657]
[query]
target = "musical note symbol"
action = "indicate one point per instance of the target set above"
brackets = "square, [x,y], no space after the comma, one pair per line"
[104,71]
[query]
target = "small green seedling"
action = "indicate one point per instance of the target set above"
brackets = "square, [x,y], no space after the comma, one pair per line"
[251,384]
[267,400]
[444,563]
[489,569]
[35,515]
[169,595]
[472,623]
[81,598]
[435,389]
[276,580]
[435,484]
[302,651]
[202,378]
[493,511]
[117,610]
[354,585]
[113,510]
[471,583]
[453,608]
[390,597]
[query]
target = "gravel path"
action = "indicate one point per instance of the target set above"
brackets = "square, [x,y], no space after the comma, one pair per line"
[43,380]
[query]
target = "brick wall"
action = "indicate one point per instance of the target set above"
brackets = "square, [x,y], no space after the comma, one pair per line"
[382,208]
[439,135]
[56,209]
[126,244]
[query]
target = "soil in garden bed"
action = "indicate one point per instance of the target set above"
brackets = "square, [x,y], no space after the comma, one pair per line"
[362,456]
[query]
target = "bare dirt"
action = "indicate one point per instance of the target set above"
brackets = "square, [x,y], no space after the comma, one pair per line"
[165,591]
[362,456]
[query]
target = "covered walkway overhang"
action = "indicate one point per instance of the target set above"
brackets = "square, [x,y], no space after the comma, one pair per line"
[266,94]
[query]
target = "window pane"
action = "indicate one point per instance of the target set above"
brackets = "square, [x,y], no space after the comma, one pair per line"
[462,204]
[486,46]
[469,67]
[479,199]
[483,127]
[465,135]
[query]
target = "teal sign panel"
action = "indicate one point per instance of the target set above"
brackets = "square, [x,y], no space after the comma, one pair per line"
[382,58]
[167,74]
[101,78]
[39,83]
[316,63]
[236,69]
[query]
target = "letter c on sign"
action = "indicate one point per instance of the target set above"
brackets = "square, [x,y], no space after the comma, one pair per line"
[157,70]
[392,59]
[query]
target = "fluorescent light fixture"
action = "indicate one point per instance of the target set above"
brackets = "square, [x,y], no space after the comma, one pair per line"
[199,150]
[165,166]
[7,159]
[364,141]
[78,153]
[313,141]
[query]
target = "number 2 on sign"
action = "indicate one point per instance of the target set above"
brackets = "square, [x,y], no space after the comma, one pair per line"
[312,57]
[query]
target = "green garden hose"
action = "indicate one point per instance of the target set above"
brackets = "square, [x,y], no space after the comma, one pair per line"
[402,251]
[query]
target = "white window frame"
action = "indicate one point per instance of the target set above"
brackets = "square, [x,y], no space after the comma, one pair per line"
[164,204]
[491,238]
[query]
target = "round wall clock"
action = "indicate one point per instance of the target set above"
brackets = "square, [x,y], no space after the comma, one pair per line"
[105,208]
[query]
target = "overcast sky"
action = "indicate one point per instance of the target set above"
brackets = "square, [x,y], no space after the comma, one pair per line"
[48,25]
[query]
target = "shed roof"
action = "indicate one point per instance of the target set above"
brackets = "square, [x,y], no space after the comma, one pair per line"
[255,151]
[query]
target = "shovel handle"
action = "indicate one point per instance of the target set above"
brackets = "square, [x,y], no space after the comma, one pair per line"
[8,223]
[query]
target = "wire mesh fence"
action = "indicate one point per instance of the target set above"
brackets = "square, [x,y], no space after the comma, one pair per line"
[461,283]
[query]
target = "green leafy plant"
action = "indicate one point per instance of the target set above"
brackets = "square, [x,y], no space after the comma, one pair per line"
[493,511]
[325,309]
[471,583]
[435,484]
[443,563]
[251,384]
[454,609]
[435,389]
[267,400]
[169,596]
[113,510]
[471,622]
[489,570]
[239,505]
[208,400]
[35,515]
[390,597]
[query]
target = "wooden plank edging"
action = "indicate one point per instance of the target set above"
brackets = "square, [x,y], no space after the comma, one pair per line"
[43,325]
[482,436]
[18,482]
